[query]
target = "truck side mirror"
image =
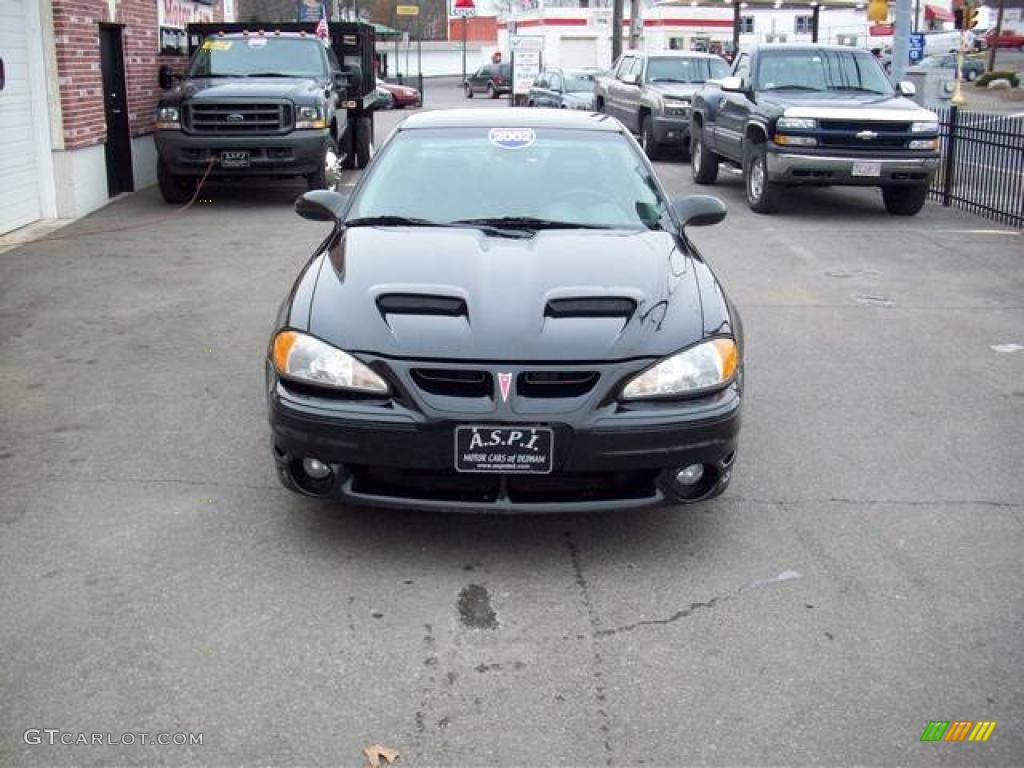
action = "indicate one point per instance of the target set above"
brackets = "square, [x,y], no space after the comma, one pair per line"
[699,210]
[168,77]
[907,88]
[733,84]
[630,79]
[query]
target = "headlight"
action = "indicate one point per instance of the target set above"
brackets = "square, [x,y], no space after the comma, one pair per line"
[302,357]
[924,144]
[787,140]
[311,117]
[796,123]
[924,127]
[167,118]
[698,368]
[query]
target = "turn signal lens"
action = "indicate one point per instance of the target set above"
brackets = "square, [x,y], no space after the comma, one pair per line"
[699,368]
[305,358]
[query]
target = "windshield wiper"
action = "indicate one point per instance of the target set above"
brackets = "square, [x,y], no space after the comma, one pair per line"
[275,74]
[792,88]
[855,88]
[525,222]
[391,221]
[670,80]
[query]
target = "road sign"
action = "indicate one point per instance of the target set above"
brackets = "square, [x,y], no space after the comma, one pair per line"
[916,47]
[527,43]
[464,8]
[407,10]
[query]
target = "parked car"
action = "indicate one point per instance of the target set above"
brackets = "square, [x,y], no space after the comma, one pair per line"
[651,94]
[937,43]
[492,79]
[971,69]
[602,368]
[1008,38]
[563,89]
[402,95]
[817,115]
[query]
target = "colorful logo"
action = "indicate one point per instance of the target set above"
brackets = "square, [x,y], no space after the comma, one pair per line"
[958,730]
[512,138]
[504,384]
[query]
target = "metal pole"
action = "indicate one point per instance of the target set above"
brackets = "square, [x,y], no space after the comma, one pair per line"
[995,36]
[917,15]
[465,22]
[950,160]
[735,28]
[900,39]
[634,24]
[815,23]
[616,30]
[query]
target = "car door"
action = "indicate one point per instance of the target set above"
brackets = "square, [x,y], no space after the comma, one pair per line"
[631,93]
[539,91]
[616,88]
[733,112]
[478,80]
[554,93]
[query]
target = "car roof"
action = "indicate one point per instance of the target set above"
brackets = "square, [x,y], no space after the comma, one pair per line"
[676,54]
[513,117]
[806,47]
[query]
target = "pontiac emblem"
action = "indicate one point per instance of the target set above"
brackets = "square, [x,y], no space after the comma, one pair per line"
[867,135]
[504,384]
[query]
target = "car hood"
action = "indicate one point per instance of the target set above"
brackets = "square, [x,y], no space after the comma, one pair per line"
[500,292]
[674,89]
[840,105]
[302,90]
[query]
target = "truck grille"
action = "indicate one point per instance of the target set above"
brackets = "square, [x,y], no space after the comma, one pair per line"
[228,119]
[852,135]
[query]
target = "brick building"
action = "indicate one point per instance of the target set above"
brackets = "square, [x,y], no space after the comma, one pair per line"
[80,86]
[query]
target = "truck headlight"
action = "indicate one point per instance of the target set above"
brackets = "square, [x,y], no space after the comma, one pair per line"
[305,358]
[924,144]
[796,123]
[700,368]
[311,117]
[925,127]
[168,119]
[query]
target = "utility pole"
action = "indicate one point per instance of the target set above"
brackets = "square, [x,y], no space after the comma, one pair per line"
[901,39]
[995,36]
[616,30]
[635,23]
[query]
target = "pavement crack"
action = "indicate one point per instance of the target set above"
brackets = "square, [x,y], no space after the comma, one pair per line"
[870,502]
[161,481]
[596,662]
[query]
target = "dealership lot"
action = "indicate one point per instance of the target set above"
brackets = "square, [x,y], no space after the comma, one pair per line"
[861,577]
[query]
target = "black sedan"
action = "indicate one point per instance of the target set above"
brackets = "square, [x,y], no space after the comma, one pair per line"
[507,316]
[563,89]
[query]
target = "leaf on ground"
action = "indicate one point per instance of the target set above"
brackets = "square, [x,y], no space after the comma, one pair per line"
[375,753]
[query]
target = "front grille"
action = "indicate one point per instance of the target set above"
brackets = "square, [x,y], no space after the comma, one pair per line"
[454,382]
[555,383]
[842,134]
[229,119]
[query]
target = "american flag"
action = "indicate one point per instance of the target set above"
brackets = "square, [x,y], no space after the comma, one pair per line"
[321,26]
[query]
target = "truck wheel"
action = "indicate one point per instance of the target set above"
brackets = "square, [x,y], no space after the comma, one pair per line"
[328,175]
[652,148]
[703,162]
[762,194]
[904,200]
[174,189]
[468,90]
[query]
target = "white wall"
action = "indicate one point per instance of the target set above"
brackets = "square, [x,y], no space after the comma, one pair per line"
[438,59]
[81,176]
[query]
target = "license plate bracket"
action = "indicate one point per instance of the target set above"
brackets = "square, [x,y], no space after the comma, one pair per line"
[234,159]
[867,168]
[525,450]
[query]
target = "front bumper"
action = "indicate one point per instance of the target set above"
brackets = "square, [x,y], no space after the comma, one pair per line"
[297,153]
[811,168]
[605,458]
[672,129]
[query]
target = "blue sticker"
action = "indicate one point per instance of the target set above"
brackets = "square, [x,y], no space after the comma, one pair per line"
[512,138]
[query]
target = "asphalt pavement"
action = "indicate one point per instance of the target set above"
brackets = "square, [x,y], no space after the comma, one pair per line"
[862,576]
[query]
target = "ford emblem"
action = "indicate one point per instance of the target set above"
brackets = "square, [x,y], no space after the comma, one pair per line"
[235,117]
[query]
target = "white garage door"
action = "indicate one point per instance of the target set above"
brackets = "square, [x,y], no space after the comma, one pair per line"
[19,175]
[578,52]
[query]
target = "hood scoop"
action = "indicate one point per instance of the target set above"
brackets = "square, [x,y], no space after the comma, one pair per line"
[596,306]
[421,304]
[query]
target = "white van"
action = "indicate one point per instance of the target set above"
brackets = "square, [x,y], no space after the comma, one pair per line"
[937,43]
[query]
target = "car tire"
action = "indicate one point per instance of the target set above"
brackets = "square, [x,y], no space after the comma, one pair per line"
[762,194]
[468,90]
[174,189]
[328,175]
[902,200]
[703,162]
[652,148]
[492,92]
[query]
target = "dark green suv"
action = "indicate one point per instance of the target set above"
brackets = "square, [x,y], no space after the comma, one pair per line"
[492,79]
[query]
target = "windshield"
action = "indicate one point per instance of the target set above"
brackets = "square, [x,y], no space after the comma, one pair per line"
[579,81]
[821,70]
[582,178]
[685,70]
[259,56]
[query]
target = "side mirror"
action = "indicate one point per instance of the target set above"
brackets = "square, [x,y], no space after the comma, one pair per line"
[321,205]
[630,79]
[733,84]
[907,88]
[699,210]
[168,77]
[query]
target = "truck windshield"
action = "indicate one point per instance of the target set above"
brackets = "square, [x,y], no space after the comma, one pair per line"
[821,70]
[677,69]
[547,176]
[255,56]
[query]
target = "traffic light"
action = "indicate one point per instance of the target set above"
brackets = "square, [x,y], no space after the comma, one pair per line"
[970,16]
[878,11]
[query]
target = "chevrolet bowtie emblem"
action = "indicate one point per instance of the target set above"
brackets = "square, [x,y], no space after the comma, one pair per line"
[504,384]
[867,135]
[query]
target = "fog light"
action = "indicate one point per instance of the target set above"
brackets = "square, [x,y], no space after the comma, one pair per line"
[315,469]
[690,475]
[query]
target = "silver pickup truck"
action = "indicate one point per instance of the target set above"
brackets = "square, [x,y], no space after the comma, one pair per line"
[652,93]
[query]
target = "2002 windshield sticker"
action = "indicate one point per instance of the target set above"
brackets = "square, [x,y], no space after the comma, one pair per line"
[512,138]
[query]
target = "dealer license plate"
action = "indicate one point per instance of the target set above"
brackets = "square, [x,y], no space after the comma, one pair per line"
[509,450]
[234,159]
[861,168]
